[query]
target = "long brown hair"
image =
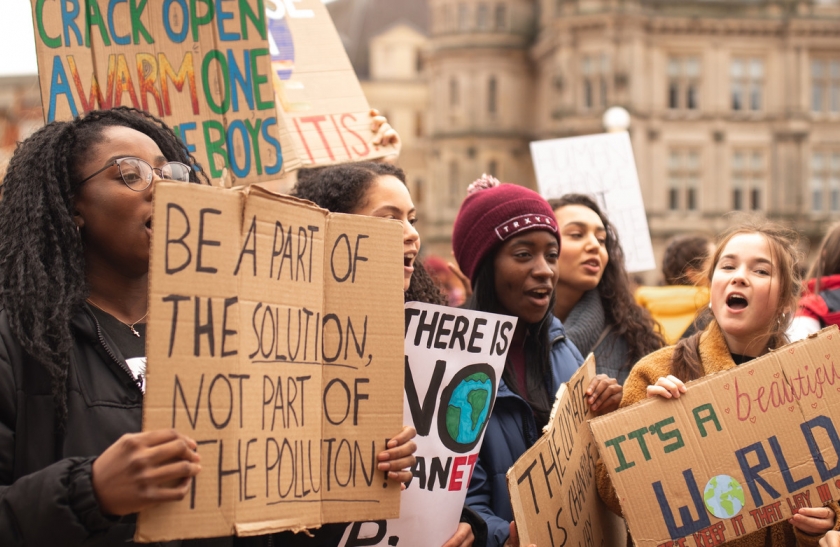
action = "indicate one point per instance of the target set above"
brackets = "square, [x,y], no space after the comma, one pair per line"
[786,257]
[828,257]
[630,321]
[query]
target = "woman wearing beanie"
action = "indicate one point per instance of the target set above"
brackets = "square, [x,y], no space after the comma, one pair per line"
[506,241]
[594,299]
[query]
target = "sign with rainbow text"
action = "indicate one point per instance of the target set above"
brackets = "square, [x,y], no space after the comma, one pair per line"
[209,69]
[739,451]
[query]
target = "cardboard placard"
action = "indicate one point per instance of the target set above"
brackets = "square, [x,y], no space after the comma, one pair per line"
[318,94]
[209,69]
[454,360]
[739,451]
[552,486]
[602,166]
[274,340]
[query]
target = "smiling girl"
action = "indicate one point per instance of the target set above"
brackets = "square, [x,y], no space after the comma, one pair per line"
[594,300]
[754,286]
[505,240]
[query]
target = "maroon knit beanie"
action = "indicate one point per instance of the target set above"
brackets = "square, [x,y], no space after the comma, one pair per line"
[491,214]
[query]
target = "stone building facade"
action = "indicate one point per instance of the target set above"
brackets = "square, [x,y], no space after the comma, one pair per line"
[735,106]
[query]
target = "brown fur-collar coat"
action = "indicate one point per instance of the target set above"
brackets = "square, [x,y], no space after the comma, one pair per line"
[715,356]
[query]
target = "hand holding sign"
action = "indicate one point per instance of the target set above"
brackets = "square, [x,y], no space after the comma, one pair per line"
[143,469]
[399,456]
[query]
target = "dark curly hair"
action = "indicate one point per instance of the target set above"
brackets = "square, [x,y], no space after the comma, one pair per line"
[630,321]
[342,189]
[684,255]
[42,267]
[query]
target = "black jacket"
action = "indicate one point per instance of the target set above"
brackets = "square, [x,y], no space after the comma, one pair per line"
[46,495]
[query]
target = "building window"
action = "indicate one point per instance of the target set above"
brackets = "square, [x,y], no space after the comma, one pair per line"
[492,93]
[825,181]
[683,83]
[493,168]
[418,123]
[501,17]
[463,17]
[825,85]
[749,172]
[483,16]
[454,94]
[747,84]
[454,194]
[595,71]
[684,180]
[418,191]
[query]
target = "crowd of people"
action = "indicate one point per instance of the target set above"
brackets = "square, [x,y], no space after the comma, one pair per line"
[75,229]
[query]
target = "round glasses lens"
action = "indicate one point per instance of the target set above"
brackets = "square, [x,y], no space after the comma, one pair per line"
[136,173]
[175,171]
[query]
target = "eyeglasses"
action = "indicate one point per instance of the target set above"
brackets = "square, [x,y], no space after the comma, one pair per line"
[137,174]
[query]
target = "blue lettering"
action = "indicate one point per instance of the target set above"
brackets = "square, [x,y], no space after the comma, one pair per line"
[59,85]
[244,81]
[269,138]
[791,484]
[68,21]
[221,17]
[751,472]
[689,525]
[181,35]
[121,40]
[246,148]
[808,430]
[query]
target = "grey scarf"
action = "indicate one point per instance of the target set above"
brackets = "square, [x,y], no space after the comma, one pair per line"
[584,327]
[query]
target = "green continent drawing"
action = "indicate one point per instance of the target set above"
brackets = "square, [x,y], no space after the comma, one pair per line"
[724,496]
[468,408]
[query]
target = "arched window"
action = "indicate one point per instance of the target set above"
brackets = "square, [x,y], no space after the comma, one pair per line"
[454,95]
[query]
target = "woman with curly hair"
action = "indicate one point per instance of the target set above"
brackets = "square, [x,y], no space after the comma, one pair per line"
[594,300]
[75,229]
[378,190]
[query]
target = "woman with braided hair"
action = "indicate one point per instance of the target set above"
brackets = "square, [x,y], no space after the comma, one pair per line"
[75,228]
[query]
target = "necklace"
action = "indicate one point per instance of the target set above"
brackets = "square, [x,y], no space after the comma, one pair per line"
[130,326]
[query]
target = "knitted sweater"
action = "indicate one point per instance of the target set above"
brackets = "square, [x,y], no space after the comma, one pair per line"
[715,356]
[584,326]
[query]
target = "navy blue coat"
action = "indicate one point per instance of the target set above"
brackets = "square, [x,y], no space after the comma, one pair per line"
[510,432]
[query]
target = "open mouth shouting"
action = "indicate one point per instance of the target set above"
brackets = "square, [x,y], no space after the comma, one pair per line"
[592,266]
[540,296]
[736,302]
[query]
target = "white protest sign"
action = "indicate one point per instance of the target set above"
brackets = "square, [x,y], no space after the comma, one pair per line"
[453,363]
[601,166]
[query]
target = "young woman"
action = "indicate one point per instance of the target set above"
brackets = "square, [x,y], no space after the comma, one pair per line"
[674,306]
[819,306]
[754,285]
[506,241]
[75,227]
[379,190]
[594,300]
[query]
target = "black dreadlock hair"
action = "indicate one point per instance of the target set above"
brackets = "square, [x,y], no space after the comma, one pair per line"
[342,189]
[42,267]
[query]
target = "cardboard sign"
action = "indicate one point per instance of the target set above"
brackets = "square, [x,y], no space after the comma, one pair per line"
[318,95]
[274,340]
[552,485]
[603,167]
[739,451]
[209,69]
[453,362]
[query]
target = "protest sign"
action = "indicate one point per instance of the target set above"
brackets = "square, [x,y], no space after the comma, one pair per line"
[453,362]
[739,451]
[603,167]
[318,95]
[208,69]
[552,486]
[274,341]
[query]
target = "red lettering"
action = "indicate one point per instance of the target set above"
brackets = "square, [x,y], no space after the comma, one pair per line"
[366,149]
[340,136]
[457,475]
[316,121]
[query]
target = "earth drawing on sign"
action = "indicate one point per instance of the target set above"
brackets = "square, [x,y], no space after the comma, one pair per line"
[723,496]
[465,405]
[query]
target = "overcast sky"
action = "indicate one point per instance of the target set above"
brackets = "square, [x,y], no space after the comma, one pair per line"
[17,38]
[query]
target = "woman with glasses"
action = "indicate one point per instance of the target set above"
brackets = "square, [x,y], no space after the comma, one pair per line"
[75,228]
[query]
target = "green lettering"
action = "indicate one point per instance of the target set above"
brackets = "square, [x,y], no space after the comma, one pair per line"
[258,18]
[195,20]
[259,79]
[94,17]
[215,146]
[710,417]
[223,74]
[48,40]
[656,429]
[622,462]
[639,436]
[137,26]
